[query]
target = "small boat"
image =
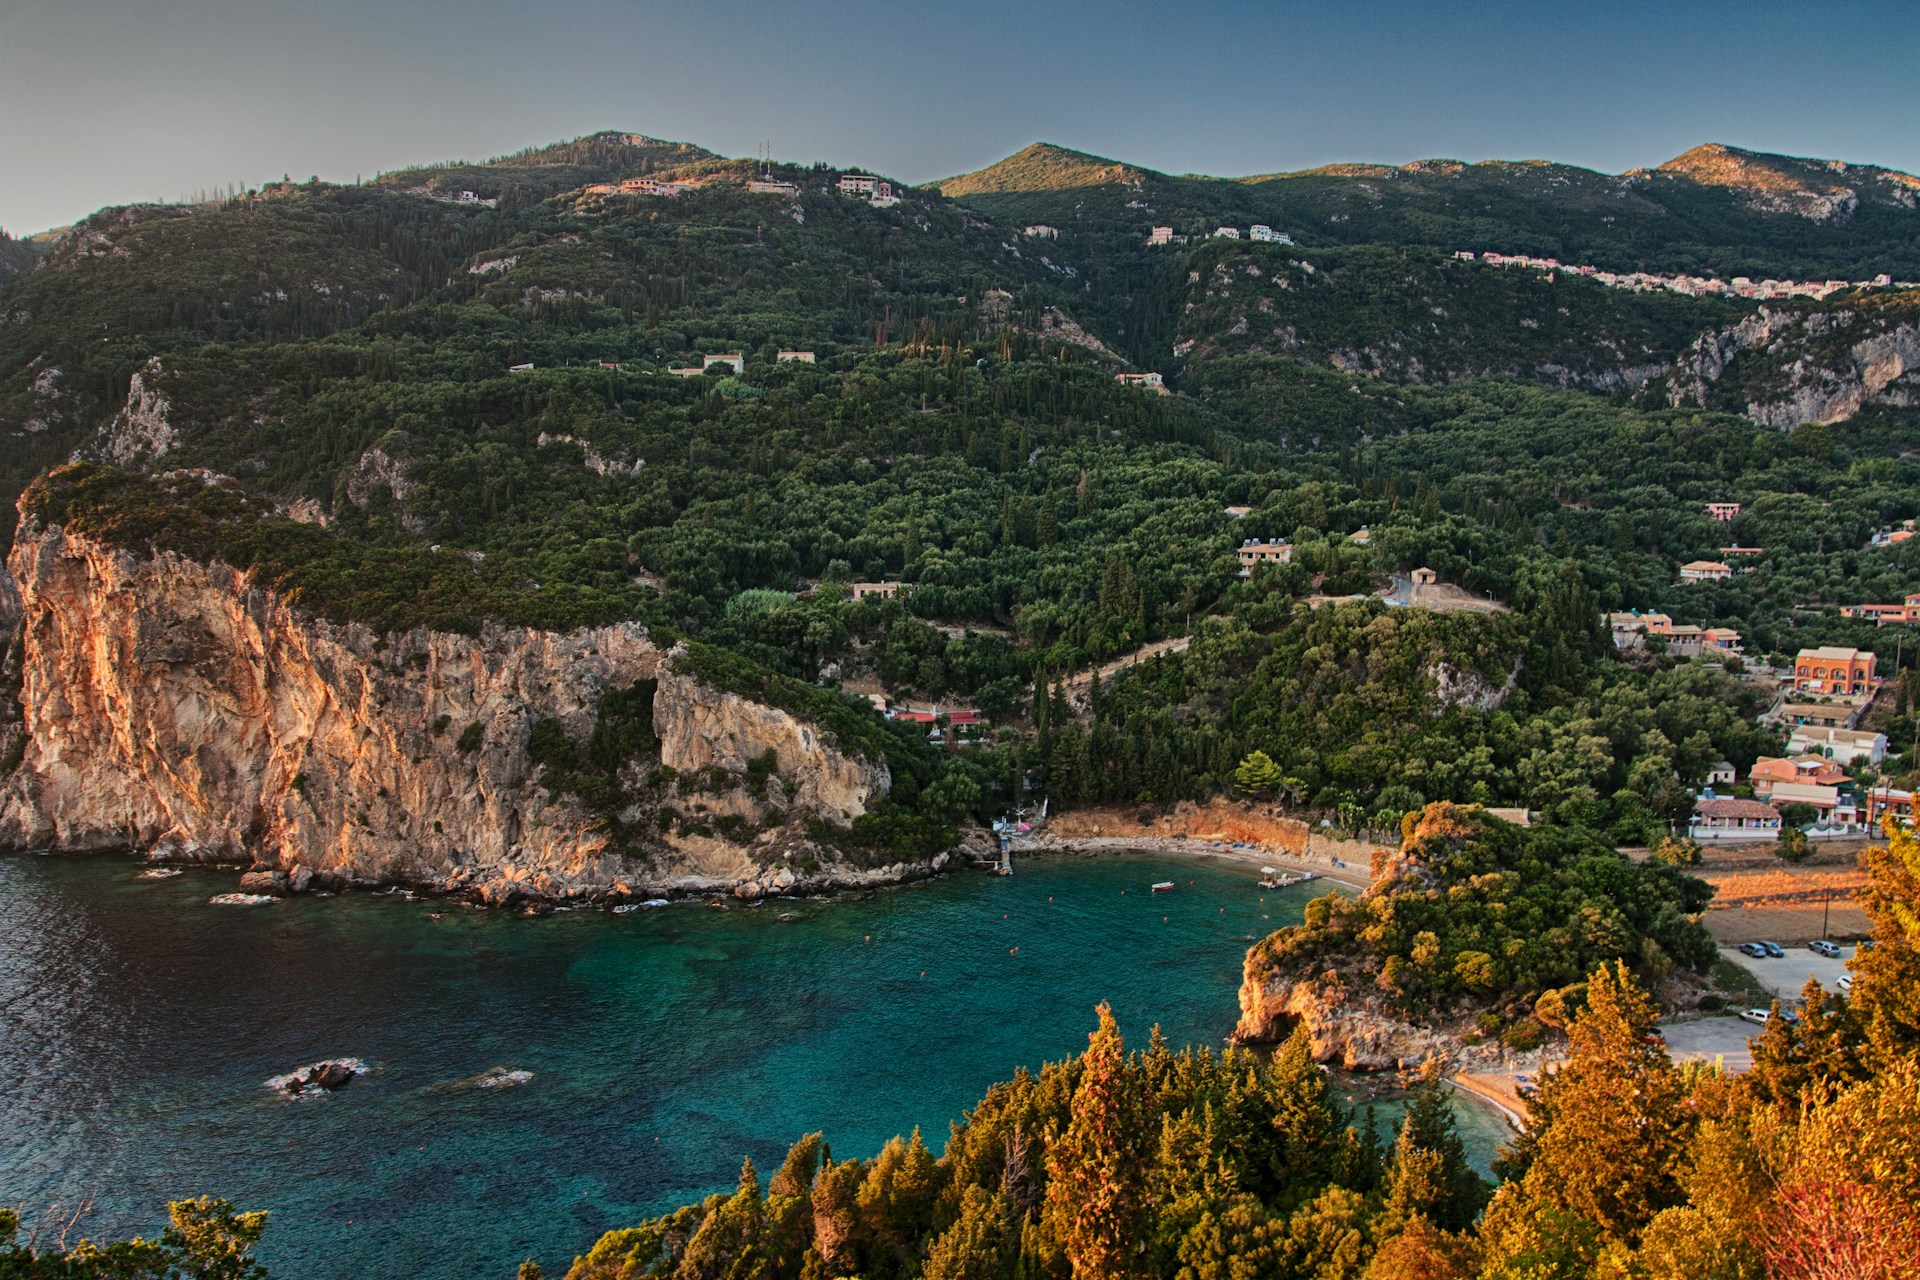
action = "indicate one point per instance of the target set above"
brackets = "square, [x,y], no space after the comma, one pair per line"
[657,902]
[241,900]
[626,907]
[1163,886]
[160,873]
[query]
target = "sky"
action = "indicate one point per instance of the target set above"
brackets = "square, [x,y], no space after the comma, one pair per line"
[113,101]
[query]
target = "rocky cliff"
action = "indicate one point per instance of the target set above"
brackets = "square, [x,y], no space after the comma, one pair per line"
[1344,1025]
[1783,366]
[179,707]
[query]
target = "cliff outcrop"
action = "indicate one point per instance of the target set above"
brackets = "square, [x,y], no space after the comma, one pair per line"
[179,707]
[1344,1026]
[1785,366]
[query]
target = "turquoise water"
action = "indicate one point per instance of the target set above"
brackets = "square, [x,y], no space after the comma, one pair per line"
[138,1025]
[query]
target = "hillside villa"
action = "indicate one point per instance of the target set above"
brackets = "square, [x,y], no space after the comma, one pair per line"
[1254,553]
[1846,746]
[1149,381]
[1705,571]
[734,358]
[1769,772]
[1630,630]
[1833,669]
[1722,510]
[1905,615]
[794,357]
[881,590]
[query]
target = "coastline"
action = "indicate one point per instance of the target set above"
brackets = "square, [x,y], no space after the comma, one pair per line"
[1344,874]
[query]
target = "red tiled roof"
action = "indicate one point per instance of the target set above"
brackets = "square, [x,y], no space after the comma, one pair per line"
[1735,809]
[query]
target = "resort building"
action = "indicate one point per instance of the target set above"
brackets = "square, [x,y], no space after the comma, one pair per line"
[1226,233]
[1150,381]
[1266,234]
[883,590]
[859,184]
[1160,235]
[1833,669]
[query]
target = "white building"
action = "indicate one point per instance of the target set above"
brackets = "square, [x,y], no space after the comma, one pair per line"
[768,187]
[734,358]
[1226,233]
[797,357]
[1260,231]
[1160,235]
[858,184]
[1150,381]
[1842,746]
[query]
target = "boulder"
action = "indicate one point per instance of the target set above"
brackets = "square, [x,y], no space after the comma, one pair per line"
[300,880]
[272,883]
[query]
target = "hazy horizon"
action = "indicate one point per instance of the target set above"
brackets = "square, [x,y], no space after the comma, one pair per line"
[116,103]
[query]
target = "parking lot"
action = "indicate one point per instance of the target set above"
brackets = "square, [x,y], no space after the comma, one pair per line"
[1711,1038]
[1785,977]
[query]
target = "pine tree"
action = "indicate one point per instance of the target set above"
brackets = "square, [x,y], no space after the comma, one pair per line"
[1603,1153]
[1096,1190]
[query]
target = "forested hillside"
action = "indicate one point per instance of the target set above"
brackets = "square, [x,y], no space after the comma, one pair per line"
[389,368]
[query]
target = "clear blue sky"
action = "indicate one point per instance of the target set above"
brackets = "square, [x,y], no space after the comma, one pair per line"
[109,101]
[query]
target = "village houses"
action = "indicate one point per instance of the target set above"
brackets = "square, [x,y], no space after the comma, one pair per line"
[1904,615]
[1716,819]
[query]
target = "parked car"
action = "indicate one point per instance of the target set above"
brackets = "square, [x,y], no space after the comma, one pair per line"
[1773,950]
[1759,1017]
[1846,982]
[1821,947]
[1753,949]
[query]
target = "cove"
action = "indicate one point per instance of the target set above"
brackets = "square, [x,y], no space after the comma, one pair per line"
[138,1025]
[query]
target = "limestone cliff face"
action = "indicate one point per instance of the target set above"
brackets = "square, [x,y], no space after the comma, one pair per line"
[178,706]
[702,728]
[1343,1026]
[1783,367]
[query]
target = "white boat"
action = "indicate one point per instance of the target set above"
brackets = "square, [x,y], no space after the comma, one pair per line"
[1163,886]
[657,902]
[625,907]
[241,900]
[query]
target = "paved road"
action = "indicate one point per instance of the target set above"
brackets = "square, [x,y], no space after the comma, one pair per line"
[1785,977]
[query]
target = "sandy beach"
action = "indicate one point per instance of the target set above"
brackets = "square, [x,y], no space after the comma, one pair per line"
[1344,874]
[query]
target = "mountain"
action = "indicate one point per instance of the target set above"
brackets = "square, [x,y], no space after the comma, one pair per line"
[1043,167]
[1821,190]
[1713,209]
[538,172]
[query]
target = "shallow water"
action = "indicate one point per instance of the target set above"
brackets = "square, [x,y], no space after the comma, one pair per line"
[138,1026]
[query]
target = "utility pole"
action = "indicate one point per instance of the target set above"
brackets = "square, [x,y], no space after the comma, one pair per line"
[1826,907]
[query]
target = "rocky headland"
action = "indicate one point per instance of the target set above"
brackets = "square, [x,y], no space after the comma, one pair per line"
[182,709]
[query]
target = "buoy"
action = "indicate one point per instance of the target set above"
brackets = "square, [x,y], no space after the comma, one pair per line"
[1014,952]
[869,937]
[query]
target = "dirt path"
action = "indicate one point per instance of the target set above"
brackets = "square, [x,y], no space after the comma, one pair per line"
[1077,686]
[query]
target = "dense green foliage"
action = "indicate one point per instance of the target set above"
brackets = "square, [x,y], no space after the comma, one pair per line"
[1475,912]
[205,1239]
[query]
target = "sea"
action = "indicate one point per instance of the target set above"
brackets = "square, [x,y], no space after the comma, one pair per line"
[528,1083]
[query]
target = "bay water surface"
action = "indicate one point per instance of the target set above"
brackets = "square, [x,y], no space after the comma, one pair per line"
[139,1025]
